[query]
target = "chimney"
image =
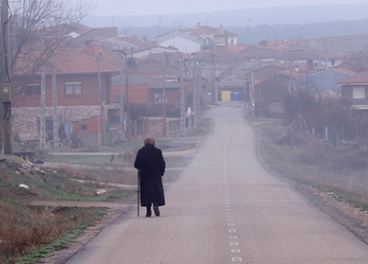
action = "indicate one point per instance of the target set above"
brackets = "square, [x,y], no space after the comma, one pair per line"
[221,30]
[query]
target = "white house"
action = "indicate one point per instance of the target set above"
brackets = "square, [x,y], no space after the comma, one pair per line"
[197,39]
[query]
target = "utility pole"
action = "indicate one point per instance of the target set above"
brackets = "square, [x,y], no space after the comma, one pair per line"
[244,88]
[55,106]
[43,104]
[102,108]
[195,95]
[291,75]
[121,101]
[182,99]
[5,81]
[197,80]
[128,123]
[215,77]
[252,92]
[164,97]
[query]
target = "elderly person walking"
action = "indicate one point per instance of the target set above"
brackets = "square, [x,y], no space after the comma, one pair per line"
[151,165]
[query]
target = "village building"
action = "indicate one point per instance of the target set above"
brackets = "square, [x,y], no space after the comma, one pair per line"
[80,96]
[261,75]
[311,57]
[355,90]
[197,39]
[323,80]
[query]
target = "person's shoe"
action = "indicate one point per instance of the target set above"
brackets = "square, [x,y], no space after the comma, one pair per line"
[157,211]
[149,212]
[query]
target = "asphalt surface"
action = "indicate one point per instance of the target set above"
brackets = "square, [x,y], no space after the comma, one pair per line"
[226,208]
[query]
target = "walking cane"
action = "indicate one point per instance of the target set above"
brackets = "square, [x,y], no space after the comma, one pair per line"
[139,193]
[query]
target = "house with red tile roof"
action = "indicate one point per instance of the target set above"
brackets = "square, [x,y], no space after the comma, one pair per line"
[79,95]
[198,38]
[322,81]
[355,90]
[131,46]
[311,57]
[235,48]
[279,43]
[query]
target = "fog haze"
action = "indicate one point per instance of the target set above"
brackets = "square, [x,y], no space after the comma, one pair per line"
[164,7]
[235,18]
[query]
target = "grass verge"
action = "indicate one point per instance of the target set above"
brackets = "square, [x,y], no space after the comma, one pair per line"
[339,170]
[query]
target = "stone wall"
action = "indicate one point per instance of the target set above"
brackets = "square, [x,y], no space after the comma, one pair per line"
[25,118]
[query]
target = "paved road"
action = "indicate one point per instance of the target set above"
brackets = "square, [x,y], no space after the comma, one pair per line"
[225,208]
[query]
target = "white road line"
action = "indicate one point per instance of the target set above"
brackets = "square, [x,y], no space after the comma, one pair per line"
[228,211]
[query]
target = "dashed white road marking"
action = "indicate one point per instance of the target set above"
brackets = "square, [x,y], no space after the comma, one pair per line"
[228,211]
[237,259]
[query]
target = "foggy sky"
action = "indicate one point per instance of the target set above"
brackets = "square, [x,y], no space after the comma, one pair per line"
[159,7]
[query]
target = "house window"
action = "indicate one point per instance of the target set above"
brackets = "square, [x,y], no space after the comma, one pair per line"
[73,88]
[84,127]
[32,89]
[359,92]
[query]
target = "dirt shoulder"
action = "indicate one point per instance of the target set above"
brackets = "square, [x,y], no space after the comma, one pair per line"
[350,217]
[353,219]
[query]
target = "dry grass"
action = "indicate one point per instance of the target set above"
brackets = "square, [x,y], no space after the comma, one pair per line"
[27,228]
[313,161]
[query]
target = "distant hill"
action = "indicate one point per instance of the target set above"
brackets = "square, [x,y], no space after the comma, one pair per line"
[252,25]
[242,17]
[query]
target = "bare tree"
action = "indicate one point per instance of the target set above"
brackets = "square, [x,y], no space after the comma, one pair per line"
[304,107]
[358,60]
[37,29]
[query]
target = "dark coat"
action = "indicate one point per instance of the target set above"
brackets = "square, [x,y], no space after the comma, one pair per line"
[151,167]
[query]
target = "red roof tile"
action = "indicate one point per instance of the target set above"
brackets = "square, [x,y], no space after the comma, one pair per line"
[235,48]
[343,70]
[67,61]
[359,78]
